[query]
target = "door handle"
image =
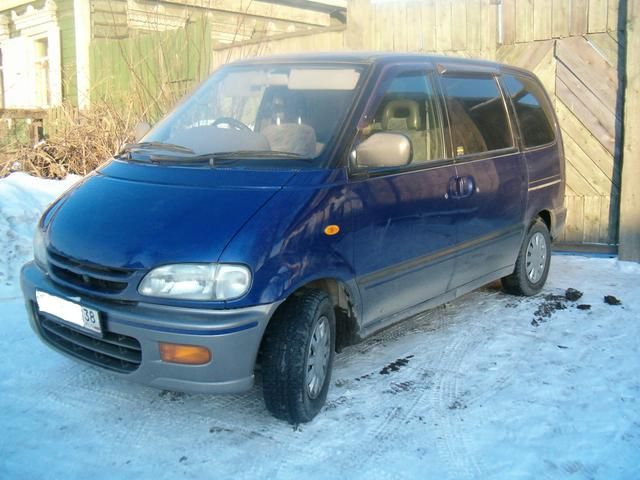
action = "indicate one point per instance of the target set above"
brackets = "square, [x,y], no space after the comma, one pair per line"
[466,186]
[453,189]
[461,187]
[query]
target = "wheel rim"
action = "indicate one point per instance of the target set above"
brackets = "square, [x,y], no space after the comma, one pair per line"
[318,358]
[536,257]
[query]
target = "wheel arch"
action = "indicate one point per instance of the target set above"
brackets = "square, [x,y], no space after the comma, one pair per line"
[345,306]
[545,215]
[343,301]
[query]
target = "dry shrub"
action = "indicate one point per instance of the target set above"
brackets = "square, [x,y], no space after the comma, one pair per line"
[76,141]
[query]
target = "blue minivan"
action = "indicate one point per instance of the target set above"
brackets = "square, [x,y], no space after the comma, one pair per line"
[294,205]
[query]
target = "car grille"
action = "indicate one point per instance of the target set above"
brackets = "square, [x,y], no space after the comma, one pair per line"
[88,277]
[112,351]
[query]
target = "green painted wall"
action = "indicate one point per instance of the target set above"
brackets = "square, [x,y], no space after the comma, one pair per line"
[150,71]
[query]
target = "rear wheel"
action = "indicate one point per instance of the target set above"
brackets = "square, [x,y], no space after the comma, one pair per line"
[298,352]
[532,265]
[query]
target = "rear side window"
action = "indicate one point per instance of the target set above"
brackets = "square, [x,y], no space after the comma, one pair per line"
[531,109]
[477,114]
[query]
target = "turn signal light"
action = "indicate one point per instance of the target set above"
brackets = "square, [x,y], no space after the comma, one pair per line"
[186,354]
[331,230]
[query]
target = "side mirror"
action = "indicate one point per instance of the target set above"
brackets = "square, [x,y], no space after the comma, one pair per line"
[140,130]
[383,150]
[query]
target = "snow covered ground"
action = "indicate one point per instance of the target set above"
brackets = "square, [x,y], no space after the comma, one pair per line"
[471,390]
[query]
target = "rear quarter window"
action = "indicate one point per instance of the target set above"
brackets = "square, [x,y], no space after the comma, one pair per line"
[532,110]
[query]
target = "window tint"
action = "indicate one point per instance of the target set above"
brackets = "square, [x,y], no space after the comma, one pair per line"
[532,112]
[477,114]
[408,106]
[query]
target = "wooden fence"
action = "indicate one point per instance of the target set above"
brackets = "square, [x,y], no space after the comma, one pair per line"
[575,46]
[152,70]
[581,67]
[583,80]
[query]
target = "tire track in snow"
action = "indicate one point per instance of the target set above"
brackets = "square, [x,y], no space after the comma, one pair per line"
[452,443]
[451,393]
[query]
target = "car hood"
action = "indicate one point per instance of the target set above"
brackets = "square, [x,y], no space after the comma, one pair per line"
[137,220]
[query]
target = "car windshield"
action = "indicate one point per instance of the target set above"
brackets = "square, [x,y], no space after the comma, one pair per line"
[258,113]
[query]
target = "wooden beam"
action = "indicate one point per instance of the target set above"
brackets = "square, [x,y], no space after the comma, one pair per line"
[22,113]
[326,6]
[629,231]
[262,9]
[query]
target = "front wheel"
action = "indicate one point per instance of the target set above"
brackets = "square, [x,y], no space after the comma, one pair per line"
[297,356]
[532,265]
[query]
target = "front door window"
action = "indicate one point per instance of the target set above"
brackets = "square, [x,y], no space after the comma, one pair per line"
[409,106]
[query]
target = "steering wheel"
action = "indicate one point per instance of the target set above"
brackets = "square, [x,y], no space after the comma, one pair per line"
[233,123]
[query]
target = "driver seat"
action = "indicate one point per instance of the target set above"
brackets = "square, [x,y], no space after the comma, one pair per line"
[403,116]
[292,138]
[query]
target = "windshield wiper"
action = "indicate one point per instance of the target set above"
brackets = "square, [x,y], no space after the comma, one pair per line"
[169,147]
[227,158]
[212,159]
[252,154]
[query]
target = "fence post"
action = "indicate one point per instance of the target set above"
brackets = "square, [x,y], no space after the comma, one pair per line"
[629,232]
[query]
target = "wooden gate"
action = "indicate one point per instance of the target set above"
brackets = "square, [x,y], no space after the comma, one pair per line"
[582,76]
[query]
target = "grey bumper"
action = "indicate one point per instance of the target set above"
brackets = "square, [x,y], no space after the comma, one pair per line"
[233,336]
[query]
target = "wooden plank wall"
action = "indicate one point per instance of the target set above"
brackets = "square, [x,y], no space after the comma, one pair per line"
[109,19]
[530,20]
[573,47]
[454,27]
[462,27]
[153,71]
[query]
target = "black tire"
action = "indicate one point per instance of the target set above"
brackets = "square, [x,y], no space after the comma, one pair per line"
[286,350]
[520,282]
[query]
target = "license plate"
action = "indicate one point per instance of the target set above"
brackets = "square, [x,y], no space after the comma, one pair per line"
[70,312]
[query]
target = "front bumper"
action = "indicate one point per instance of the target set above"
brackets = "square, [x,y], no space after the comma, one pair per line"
[233,336]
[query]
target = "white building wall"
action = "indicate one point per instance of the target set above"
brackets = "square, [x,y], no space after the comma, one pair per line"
[22,65]
[82,15]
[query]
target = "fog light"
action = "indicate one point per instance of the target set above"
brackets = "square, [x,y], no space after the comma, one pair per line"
[187,354]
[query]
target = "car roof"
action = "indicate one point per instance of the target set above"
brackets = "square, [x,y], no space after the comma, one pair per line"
[444,63]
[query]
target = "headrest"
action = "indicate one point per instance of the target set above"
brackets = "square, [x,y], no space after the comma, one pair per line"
[406,109]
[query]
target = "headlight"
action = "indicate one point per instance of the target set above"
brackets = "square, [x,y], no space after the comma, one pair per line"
[39,249]
[197,281]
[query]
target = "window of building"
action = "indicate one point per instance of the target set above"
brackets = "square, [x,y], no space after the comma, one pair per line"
[41,71]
